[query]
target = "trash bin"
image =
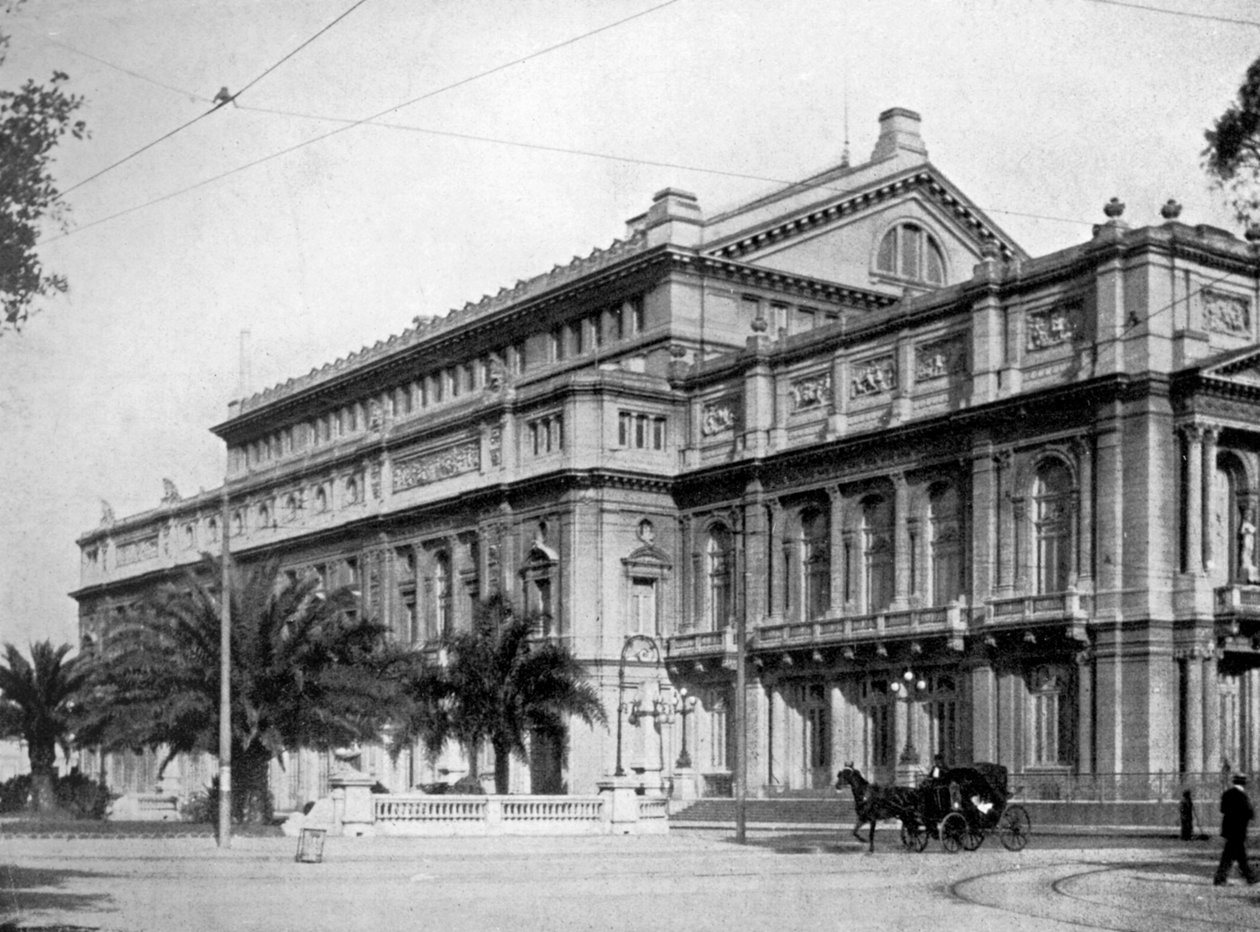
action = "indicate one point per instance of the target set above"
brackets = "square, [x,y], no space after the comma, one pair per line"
[311,845]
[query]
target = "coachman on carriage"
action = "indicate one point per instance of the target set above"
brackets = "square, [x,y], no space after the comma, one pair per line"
[960,807]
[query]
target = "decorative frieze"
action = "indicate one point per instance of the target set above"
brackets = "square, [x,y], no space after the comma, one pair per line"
[718,416]
[873,377]
[1226,313]
[440,464]
[939,359]
[1053,326]
[812,391]
[134,551]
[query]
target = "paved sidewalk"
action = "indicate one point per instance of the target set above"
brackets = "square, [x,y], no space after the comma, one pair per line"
[695,881]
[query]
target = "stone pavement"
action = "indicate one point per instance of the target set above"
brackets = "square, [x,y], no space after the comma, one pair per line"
[693,881]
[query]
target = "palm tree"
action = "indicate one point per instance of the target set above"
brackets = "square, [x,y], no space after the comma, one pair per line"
[36,699]
[496,682]
[305,673]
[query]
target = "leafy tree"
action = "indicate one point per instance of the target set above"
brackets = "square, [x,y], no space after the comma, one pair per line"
[496,682]
[36,700]
[33,121]
[306,672]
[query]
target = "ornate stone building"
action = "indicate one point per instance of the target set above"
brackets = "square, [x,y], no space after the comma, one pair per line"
[967,502]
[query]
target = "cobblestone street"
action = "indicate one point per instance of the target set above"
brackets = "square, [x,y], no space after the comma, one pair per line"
[696,881]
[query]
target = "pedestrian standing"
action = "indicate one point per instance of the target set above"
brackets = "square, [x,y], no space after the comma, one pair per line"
[1236,815]
[1186,811]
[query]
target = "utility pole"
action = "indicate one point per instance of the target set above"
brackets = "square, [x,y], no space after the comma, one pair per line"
[225,680]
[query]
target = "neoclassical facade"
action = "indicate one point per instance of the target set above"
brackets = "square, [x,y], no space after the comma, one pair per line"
[963,501]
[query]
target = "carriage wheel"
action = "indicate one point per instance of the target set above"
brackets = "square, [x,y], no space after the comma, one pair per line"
[914,837]
[1014,828]
[972,839]
[954,831]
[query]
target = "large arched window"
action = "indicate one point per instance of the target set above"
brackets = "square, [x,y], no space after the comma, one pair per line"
[719,551]
[815,534]
[911,252]
[1052,526]
[877,552]
[946,542]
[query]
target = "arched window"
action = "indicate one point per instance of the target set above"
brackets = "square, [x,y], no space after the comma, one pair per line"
[877,552]
[352,491]
[264,517]
[1050,738]
[945,540]
[291,507]
[321,499]
[719,552]
[212,529]
[815,534]
[1052,526]
[911,252]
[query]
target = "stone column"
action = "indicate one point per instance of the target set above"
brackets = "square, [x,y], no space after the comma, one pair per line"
[1192,506]
[1193,711]
[1211,714]
[835,550]
[1210,436]
[778,572]
[901,541]
[983,526]
[1085,512]
[1085,712]
[1005,542]
[756,566]
[983,691]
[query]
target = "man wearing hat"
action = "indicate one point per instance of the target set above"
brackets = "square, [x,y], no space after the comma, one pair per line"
[1236,813]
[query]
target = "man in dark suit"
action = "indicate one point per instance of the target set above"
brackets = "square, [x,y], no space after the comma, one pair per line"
[1236,814]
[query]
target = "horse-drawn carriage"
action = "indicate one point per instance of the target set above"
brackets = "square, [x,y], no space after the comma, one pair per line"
[960,807]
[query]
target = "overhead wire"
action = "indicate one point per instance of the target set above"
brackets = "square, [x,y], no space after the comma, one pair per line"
[1185,13]
[218,103]
[612,157]
[43,37]
[351,124]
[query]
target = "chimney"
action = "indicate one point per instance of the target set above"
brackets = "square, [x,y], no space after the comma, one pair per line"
[898,129]
[674,217]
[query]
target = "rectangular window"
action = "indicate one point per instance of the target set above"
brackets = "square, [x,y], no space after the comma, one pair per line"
[577,333]
[557,344]
[452,381]
[640,431]
[658,433]
[638,321]
[520,361]
[624,422]
[805,319]
[595,323]
[643,606]
[470,377]
[546,434]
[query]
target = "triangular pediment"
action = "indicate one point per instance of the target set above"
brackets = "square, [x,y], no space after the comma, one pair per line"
[1241,367]
[833,233]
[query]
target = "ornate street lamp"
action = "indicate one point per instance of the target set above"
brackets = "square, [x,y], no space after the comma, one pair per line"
[908,687]
[684,705]
[642,648]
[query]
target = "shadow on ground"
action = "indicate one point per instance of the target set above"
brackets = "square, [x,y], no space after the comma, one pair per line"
[24,890]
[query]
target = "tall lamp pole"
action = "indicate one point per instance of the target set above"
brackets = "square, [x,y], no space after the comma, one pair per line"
[225,683]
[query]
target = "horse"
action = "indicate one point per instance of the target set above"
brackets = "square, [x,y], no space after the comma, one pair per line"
[874,802]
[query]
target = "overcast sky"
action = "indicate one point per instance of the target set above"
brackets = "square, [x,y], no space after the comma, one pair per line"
[1036,108]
